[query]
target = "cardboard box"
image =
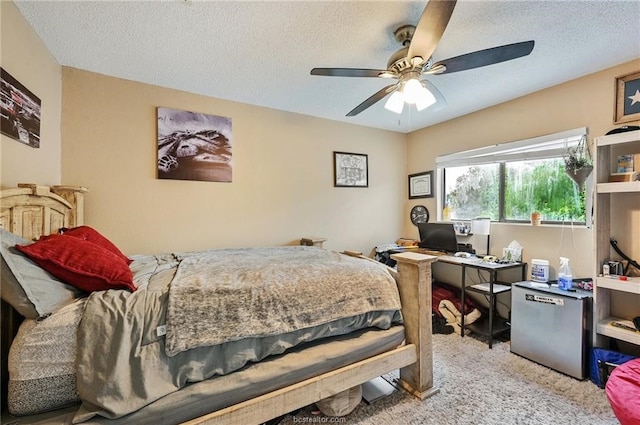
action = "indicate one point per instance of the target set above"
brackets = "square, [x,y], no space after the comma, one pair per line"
[624,177]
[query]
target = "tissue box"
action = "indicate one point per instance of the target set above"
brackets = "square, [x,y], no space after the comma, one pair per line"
[512,254]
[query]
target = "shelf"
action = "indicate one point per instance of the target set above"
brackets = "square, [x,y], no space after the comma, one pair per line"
[481,326]
[614,139]
[483,288]
[605,328]
[619,187]
[610,291]
[632,285]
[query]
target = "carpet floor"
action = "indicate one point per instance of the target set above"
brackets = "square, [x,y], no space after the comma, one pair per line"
[481,386]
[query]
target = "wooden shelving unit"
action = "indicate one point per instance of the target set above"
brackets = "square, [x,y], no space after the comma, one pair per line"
[608,201]
[605,327]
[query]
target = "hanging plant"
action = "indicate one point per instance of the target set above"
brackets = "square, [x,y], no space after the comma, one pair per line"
[578,163]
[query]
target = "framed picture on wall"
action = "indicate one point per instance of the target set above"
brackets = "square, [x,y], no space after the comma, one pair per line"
[350,169]
[20,118]
[194,146]
[627,107]
[421,185]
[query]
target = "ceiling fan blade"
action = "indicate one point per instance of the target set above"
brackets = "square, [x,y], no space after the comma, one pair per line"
[430,28]
[372,100]
[486,57]
[347,72]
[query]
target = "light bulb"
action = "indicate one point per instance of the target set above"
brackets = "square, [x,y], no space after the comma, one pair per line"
[412,91]
[395,103]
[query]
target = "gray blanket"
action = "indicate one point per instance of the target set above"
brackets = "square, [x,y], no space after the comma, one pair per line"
[258,292]
[122,359]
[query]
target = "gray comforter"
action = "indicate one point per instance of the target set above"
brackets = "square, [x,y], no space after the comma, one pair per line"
[218,320]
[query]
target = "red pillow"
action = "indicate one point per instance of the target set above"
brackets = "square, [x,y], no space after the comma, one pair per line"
[80,263]
[90,234]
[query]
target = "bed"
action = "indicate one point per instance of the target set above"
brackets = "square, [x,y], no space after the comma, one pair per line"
[301,364]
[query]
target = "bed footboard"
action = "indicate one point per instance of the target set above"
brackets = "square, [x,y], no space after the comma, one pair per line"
[414,282]
[287,399]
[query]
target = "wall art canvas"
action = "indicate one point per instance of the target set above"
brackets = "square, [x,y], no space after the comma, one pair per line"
[20,117]
[193,146]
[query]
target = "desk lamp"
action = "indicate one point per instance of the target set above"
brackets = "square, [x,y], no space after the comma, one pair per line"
[481,226]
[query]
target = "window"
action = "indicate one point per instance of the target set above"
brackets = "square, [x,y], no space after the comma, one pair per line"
[507,182]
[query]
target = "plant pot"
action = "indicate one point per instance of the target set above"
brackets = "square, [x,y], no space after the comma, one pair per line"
[580,175]
[536,218]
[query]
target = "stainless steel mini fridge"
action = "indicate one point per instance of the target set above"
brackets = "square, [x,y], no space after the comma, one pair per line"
[552,327]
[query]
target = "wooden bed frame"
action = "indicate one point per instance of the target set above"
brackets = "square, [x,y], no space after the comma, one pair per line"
[31,211]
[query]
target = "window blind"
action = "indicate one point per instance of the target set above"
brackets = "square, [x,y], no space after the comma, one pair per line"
[549,146]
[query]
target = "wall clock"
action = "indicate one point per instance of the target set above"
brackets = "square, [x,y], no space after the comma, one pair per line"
[419,214]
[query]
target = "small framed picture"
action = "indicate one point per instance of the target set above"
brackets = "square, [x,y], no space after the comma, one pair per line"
[350,169]
[627,107]
[421,185]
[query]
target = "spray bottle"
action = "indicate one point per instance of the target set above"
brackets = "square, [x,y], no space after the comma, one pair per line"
[565,277]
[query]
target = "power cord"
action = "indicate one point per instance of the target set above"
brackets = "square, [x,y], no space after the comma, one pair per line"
[630,262]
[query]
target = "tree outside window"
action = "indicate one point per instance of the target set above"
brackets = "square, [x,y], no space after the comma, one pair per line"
[512,190]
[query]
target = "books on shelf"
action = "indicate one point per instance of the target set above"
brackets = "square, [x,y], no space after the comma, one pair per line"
[628,163]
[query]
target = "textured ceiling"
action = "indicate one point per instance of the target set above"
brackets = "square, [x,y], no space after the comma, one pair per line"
[261,52]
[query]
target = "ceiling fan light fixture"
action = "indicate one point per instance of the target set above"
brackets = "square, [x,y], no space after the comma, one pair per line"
[412,90]
[414,60]
[425,100]
[395,103]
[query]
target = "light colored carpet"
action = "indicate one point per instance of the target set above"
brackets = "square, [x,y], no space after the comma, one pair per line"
[480,386]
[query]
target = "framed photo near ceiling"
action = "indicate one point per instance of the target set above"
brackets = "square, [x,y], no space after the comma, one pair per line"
[350,169]
[421,185]
[20,111]
[627,107]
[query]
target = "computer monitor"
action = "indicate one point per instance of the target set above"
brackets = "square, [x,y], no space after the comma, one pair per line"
[438,237]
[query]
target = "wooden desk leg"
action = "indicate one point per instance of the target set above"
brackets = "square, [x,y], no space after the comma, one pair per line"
[414,284]
[492,301]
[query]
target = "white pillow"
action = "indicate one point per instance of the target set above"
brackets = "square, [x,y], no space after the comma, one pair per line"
[32,291]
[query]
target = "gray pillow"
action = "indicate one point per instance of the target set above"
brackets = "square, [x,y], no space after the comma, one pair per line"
[32,291]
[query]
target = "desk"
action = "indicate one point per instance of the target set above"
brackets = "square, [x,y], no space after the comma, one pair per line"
[494,325]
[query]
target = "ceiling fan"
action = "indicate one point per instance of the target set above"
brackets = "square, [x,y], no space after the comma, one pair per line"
[413,60]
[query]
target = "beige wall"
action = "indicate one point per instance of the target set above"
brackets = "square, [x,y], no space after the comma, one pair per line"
[27,59]
[282,185]
[586,101]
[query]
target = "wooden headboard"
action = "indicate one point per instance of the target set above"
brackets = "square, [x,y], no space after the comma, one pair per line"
[31,211]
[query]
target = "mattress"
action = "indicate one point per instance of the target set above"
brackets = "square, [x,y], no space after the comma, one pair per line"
[42,359]
[199,398]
